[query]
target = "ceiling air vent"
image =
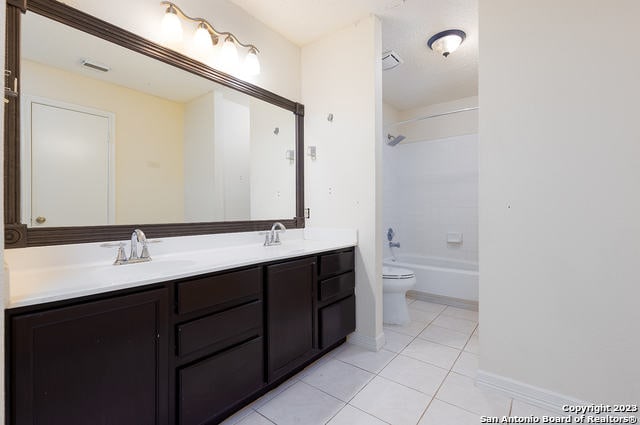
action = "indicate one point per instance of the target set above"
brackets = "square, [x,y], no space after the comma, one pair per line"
[390,60]
[95,65]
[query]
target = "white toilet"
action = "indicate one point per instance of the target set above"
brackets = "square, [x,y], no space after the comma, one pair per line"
[395,284]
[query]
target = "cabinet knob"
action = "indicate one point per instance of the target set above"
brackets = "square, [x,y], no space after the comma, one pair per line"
[40,219]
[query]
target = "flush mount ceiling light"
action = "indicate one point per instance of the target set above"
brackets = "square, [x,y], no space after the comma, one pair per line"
[205,37]
[446,42]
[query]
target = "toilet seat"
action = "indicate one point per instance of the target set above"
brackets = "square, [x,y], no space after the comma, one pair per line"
[396,273]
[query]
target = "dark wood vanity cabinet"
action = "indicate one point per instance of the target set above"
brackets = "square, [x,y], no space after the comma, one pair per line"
[290,315]
[184,352]
[219,331]
[336,297]
[100,362]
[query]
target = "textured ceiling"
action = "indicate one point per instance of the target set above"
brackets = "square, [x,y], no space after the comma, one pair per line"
[425,78]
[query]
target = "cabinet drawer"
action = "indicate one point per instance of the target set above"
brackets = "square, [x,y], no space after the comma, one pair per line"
[337,285]
[210,387]
[333,264]
[221,330]
[337,321]
[220,289]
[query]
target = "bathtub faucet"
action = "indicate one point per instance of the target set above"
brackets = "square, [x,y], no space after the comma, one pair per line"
[394,244]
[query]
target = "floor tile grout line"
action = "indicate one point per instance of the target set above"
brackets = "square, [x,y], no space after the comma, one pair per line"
[277,395]
[363,411]
[375,375]
[343,401]
[274,423]
[406,386]
[459,407]
[425,362]
[440,386]
[426,408]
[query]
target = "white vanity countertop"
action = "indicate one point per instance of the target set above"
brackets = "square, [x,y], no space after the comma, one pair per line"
[53,273]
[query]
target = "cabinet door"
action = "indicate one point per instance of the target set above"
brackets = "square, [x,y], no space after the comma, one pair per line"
[101,362]
[290,319]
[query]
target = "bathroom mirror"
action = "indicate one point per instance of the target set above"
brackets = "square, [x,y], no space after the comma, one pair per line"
[111,131]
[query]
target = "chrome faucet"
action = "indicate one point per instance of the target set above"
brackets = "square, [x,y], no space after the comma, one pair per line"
[136,237]
[272,237]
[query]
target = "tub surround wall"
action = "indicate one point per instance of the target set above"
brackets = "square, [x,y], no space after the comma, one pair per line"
[341,74]
[559,204]
[431,189]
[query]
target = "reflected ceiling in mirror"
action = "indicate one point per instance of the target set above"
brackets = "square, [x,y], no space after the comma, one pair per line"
[110,136]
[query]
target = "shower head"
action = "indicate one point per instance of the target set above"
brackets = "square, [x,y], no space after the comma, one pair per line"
[392,141]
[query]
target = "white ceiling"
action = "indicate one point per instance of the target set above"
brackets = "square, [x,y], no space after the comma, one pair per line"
[425,78]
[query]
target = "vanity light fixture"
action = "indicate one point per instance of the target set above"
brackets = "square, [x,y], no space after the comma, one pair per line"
[206,36]
[171,26]
[229,54]
[446,42]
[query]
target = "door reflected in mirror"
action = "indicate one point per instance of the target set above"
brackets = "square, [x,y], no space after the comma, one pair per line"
[110,136]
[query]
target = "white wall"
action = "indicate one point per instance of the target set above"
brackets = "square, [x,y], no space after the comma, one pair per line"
[233,148]
[341,74]
[430,189]
[273,176]
[200,200]
[559,196]
[279,58]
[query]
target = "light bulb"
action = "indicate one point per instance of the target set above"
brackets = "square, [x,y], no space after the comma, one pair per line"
[229,54]
[251,63]
[202,44]
[171,26]
[447,44]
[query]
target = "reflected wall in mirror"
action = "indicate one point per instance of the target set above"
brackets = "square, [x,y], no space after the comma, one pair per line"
[111,136]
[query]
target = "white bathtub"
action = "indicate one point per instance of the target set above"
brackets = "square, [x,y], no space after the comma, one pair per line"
[441,277]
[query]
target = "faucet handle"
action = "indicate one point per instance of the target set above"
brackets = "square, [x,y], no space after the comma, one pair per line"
[267,240]
[121,257]
[144,255]
[277,237]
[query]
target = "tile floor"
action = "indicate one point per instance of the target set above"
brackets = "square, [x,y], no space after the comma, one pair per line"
[424,375]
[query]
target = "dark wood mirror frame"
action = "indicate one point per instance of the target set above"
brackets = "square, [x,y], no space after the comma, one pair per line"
[17,235]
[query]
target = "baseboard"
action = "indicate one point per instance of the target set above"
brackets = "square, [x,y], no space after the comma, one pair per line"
[441,299]
[536,396]
[370,343]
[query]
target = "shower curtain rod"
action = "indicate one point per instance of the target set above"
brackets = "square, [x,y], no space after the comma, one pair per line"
[434,116]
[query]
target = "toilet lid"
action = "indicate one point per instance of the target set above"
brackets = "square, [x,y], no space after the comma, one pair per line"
[396,273]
